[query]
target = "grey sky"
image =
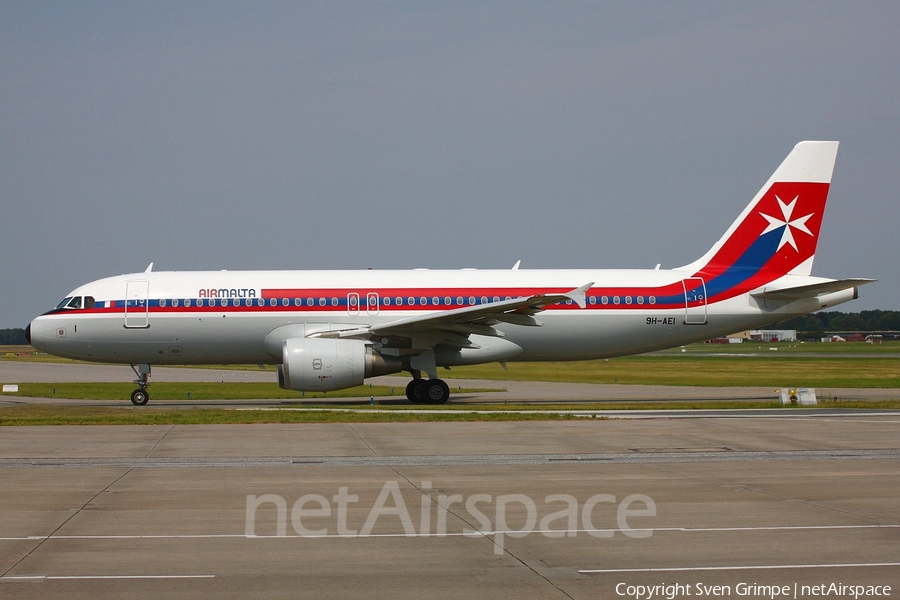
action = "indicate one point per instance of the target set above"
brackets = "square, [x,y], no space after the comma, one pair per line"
[430,134]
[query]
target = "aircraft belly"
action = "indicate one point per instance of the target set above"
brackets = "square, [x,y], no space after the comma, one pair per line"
[592,336]
[169,340]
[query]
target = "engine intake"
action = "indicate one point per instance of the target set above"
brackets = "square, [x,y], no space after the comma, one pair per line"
[324,365]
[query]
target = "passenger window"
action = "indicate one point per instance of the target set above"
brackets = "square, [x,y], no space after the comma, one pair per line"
[187,302]
[334,301]
[175,303]
[162,303]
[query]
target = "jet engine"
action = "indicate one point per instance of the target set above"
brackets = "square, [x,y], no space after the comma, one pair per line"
[323,364]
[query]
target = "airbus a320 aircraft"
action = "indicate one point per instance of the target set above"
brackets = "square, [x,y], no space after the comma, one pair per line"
[328,330]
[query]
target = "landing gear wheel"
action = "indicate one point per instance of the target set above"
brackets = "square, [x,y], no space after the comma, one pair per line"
[437,392]
[139,397]
[415,391]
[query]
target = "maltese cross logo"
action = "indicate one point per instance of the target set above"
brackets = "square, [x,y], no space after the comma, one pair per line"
[786,211]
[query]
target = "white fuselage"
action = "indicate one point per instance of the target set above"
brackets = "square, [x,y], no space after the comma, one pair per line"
[215,317]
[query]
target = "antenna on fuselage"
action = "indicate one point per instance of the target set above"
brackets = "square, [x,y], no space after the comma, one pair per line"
[516,266]
[149,268]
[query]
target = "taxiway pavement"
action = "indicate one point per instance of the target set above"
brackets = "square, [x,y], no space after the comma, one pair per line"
[571,509]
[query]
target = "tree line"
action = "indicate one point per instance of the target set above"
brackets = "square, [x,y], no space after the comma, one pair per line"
[12,337]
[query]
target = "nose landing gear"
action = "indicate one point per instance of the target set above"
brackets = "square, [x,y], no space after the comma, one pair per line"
[140,396]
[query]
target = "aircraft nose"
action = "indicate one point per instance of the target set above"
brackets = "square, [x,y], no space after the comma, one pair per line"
[28,333]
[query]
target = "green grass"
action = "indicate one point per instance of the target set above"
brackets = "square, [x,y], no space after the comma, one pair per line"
[704,370]
[820,365]
[823,366]
[809,348]
[89,415]
[34,415]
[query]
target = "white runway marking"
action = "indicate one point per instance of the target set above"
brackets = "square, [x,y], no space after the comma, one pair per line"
[741,568]
[25,578]
[780,528]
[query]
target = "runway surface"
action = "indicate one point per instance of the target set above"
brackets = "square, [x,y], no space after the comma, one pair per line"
[572,509]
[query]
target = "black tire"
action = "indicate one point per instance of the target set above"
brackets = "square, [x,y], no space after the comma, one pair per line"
[140,397]
[415,391]
[437,392]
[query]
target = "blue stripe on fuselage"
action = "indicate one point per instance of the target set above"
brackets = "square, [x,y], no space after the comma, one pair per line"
[748,265]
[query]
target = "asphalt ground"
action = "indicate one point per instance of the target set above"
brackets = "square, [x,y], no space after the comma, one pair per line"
[574,509]
[162,511]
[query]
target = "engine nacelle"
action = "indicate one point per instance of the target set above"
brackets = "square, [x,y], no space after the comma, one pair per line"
[324,364]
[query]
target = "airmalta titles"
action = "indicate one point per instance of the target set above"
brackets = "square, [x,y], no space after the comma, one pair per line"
[226,293]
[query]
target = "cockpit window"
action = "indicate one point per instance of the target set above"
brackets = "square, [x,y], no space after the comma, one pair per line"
[74,302]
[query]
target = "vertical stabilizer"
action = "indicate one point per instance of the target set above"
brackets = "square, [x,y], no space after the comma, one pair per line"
[777,232]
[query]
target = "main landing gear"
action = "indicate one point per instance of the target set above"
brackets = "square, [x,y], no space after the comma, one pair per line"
[140,397]
[427,391]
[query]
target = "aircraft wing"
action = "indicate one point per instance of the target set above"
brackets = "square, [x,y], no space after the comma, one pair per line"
[800,292]
[469,319]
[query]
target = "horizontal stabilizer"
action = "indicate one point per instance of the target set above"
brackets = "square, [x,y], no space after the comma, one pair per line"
[800,292]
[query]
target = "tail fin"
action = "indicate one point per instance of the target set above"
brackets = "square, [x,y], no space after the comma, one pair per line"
[777,232]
